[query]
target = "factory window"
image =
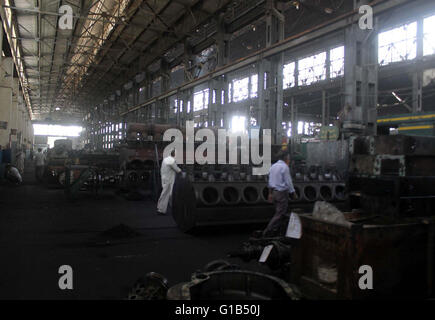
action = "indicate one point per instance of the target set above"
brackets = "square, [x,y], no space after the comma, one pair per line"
[241,89]
[200,100]
[188,106]
[214,96]
[289,130]
[175,106]
[336,62]
[429,36]
[399,44]
[51,140]
[289,75]
[56,130]
[254,86]
[238,124]
[312,69]
[253,122]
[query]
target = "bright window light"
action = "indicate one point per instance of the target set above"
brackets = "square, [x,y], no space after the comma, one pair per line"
[312,69]
[238,124]
[56,130]
[289,131]
[289,75]
[429,36]
[175,106]
[336,62]
[300,127]
[241,89]
[200,99]
[51,140]
[254,86]
[399,44]
[230,86]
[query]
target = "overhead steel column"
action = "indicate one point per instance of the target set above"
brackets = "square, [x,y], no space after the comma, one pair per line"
[164,105]
[417,76]
[222,42]
[361,78]
[270,100]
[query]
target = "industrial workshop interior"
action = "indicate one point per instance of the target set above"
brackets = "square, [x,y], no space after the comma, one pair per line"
[209,150]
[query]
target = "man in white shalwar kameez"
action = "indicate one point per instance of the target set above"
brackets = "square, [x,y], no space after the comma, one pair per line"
[168,172]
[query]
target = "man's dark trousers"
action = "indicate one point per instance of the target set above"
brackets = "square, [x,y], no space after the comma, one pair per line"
[280,201]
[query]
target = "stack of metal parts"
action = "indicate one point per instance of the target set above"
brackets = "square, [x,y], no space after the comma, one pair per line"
[317,183]
[231,194]
[140,158]
[219,280]
[91,172]
[393,175]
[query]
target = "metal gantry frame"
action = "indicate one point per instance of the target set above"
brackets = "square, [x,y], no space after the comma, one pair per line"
[114,41]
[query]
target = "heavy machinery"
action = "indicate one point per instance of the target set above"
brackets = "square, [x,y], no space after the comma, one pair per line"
[387,226]
[230,194]
[140,158]
[56,160]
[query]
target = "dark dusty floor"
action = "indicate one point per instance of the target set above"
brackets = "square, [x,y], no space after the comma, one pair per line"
[40,231]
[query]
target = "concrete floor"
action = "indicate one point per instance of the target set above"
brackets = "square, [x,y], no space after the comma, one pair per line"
[40,231]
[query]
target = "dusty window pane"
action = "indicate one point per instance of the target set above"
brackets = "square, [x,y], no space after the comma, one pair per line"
[429,36]
[337,62]
[399,44]
[289,75]
[238,124]
[312,69]
[175,106]
[254,86]
[200,99]
[241,89]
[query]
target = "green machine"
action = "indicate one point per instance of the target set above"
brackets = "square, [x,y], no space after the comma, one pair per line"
[421,124]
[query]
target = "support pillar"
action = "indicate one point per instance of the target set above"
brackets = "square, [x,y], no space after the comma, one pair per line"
[361,80]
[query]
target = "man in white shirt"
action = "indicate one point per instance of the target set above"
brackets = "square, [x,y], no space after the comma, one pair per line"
[280,186]
[40,163]
[168,173]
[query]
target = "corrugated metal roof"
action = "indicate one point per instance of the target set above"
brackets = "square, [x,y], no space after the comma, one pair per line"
[110,42]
